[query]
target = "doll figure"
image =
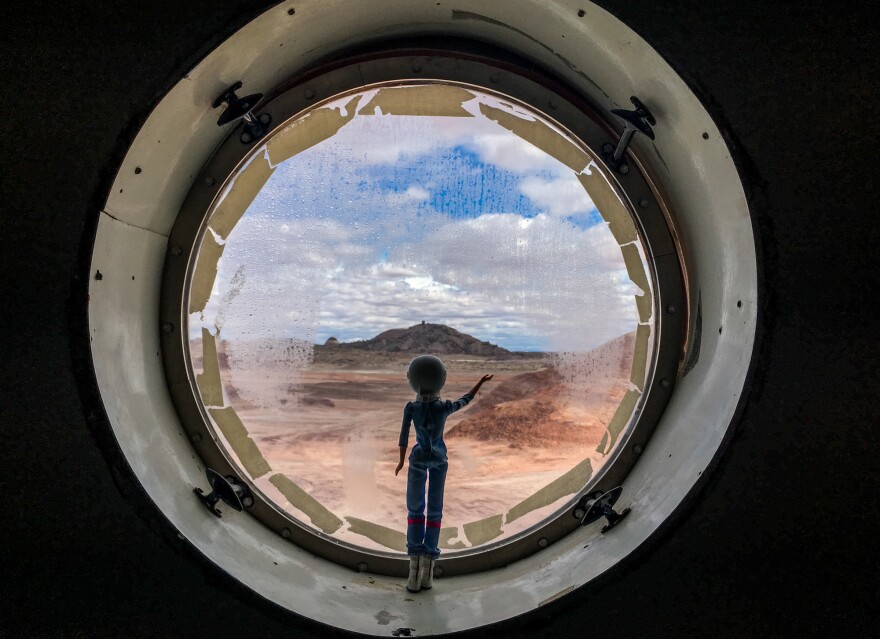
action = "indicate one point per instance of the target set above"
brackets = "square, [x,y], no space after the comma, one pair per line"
[427,463]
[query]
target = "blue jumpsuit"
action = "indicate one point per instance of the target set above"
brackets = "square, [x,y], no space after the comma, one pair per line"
[427,464]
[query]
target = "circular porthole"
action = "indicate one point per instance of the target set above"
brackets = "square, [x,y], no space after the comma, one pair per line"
[278,271]
[376,222]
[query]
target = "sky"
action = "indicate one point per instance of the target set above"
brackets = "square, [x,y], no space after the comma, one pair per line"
[401,219]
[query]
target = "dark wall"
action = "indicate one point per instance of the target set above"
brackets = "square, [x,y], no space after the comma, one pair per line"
[778,540]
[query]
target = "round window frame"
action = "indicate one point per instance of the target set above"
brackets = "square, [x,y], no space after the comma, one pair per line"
[558,104]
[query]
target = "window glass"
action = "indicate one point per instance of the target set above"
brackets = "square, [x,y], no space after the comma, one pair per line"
[410,219]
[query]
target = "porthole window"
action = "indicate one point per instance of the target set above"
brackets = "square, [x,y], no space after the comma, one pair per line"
[404,217]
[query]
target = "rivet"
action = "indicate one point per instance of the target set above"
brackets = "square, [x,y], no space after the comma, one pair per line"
[624,168]
[608,148]
[285,532]
[362,567]
[644,203]
[167,327]
[290,12]
[176,250]
[309,93]
[670,309]
[196,437]
[665,383]
[247,502]
[637,449]
[209,181]
[137,170]
[245,137]
[581,13]
[705,135]
[542,542]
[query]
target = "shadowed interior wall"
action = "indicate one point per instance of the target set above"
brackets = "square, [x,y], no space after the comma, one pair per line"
[779,538]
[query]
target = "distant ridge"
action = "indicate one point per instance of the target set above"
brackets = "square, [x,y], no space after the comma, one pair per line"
[428,338]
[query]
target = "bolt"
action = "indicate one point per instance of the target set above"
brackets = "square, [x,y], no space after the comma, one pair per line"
[290,12]
[245,137]
[705,135]
[607,148]
[196,437]
[167,327]
[265,118]
[176,250]
[644,203]
[138,170]
[309,93]
[581,13]
[637,449]
[542,542]
[665,383]
[247,502]
[362,567]
[209,181]
[624,168]
[670,309]
[438,571]
[285,532]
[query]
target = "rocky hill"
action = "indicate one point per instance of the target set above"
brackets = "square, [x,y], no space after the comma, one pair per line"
[437,339]
[543,408]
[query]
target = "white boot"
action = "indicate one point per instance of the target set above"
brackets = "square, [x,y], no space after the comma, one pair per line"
[426,572]
[412,584]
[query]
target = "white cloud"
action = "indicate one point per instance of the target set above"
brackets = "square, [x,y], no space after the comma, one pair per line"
[323,253]
[562,197]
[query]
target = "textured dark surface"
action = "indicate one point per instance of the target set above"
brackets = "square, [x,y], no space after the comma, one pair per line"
[780,539]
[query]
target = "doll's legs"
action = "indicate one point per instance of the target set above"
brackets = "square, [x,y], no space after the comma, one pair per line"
[416,477]
[419,540]
[436,485]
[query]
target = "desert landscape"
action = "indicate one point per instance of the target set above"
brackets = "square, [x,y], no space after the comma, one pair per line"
[328,418]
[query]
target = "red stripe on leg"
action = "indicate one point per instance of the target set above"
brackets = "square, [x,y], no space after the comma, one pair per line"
[433,524]
[415,520]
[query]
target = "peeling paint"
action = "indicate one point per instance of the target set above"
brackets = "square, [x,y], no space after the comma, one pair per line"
[640,356]
[208,381]
[612,210]
[241,194]
[205,273]
[308,131]
[388,537]
[233,430]
[620,419]
[636,271]
[567,484]
[540,135]
[483,530]
[301,500]
[428,99]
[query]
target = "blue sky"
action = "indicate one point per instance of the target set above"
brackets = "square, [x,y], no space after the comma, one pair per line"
[399,219]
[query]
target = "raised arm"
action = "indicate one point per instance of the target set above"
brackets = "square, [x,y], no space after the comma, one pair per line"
[476,388]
